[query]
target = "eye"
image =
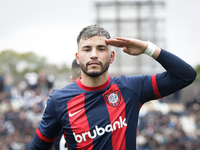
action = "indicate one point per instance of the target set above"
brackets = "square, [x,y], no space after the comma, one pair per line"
[102,49]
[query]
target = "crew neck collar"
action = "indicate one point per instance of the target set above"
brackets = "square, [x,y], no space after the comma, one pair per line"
[88,88]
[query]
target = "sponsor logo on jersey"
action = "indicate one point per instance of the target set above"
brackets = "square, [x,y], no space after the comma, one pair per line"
[113,98]
[99,131]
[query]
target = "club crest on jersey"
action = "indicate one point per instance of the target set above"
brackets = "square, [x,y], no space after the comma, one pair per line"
[113,98]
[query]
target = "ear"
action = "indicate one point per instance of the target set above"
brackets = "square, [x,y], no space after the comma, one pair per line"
[112,57]
[77,58]
[72,79]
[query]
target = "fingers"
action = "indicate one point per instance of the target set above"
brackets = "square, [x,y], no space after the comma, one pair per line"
[121,42]
[126,50]
[114,42]
[123,39]
[128,41]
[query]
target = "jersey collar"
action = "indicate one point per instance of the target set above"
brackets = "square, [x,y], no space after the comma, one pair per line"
[96,88]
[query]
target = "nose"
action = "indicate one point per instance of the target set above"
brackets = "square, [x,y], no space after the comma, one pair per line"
[94,54]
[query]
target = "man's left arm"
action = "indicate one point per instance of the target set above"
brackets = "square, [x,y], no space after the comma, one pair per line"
[178,75]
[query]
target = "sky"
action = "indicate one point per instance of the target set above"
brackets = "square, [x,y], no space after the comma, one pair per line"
[46,27]
[49,28]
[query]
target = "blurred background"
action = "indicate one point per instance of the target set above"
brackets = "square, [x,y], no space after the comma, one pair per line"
[38,45]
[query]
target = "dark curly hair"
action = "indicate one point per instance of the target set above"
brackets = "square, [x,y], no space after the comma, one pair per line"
[91,31]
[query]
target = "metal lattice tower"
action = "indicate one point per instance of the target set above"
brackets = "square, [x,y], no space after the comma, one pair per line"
[143,20]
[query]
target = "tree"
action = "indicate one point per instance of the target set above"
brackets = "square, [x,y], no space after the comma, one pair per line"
[197,68]
[30,61]
[8,61]
[20,63]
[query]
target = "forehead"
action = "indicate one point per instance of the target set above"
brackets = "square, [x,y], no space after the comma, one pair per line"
[93,41]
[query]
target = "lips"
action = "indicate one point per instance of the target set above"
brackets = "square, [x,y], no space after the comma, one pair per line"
[93,63]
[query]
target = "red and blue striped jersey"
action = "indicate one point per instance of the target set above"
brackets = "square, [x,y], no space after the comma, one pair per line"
[105,117]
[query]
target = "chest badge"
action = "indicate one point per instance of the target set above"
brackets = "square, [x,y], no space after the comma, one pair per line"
[113,98]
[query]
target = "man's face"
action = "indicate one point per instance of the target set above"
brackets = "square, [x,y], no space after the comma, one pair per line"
[94,56]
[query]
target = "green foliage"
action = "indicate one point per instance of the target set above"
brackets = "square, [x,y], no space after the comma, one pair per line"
[20,63]
[197,68]
[64,68]
[30,61]
[8,60]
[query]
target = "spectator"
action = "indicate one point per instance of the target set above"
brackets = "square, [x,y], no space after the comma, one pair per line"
[42,81]
[1,82]
[32,79]
[50,82]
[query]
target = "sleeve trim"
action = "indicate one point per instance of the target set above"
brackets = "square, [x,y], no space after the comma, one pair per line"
[42,137]
[155,87]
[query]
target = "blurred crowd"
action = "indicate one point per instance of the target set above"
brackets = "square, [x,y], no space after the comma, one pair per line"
[168,123]
[21,107]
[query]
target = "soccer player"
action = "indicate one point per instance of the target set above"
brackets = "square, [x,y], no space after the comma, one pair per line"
[101,112]
[60,143]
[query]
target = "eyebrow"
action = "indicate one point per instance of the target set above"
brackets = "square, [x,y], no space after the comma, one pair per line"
[87,46]
[101,46]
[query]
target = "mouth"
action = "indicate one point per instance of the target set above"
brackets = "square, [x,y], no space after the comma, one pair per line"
[93,63]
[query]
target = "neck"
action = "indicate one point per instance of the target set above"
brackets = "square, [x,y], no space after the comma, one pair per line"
[94,81]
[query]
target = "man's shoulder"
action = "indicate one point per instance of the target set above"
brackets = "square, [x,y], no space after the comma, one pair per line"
[123,78]
[130,82]
[66,92]
[66,88]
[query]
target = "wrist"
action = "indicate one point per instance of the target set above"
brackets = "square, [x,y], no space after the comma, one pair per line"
[150,48]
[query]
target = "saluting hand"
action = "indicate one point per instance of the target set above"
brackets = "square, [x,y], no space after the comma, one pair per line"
[130,46]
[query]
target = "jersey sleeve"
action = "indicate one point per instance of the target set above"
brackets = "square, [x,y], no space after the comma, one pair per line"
[144,86]
[48,128]
[178,75]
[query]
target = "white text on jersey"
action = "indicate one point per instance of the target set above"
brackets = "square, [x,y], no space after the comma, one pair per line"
[100,130]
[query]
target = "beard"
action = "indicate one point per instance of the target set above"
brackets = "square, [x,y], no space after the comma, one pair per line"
[95,74]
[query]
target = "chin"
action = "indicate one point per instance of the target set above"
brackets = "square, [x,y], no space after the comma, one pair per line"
[94,71]
[94,74]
